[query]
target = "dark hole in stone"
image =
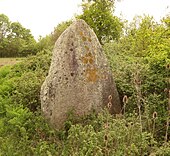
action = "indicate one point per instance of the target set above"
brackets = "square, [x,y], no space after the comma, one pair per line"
[72,74]
[72,44]
[51,112]
[66,78]
[71,49]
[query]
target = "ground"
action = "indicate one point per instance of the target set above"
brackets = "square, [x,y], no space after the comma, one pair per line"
[9,61]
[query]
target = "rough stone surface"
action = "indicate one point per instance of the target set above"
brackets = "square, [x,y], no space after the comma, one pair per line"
[79,78]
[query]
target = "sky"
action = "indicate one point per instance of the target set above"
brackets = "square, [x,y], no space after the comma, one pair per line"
[41,16]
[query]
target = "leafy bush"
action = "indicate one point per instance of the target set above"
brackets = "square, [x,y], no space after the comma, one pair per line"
[114,136]
[140,64]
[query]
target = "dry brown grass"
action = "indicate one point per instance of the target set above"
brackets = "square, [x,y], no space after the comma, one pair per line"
[9,61]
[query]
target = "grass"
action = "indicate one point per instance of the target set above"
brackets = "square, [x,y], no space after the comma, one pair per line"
[9,61]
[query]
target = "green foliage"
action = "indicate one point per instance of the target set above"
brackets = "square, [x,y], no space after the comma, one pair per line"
[48,42]
[27,93]
[4,71]
[98,14]
[59,29]
[114,136]
[45,43]
[23,130]
[139,60]
[163,150]
[15,40]
[4,25]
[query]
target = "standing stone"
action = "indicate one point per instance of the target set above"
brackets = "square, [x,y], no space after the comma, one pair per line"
[79,78]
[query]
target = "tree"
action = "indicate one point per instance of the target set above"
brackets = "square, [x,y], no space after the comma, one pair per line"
[99,15]
[45,43]
[15,39]
[4,31]
[48,41]
[4,26]
[59,30]
[26,42]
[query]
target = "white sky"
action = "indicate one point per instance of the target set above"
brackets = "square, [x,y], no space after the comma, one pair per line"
[41,16]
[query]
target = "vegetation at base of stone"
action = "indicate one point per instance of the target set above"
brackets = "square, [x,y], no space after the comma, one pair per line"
[140,63]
